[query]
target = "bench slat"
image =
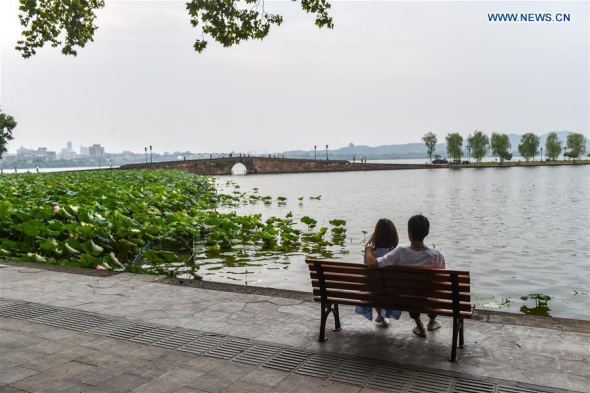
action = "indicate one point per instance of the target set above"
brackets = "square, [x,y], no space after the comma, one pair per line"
[330,263]
[395,270]
[376,284]
[377,291]
[394,276]
[393,301]
[466,313]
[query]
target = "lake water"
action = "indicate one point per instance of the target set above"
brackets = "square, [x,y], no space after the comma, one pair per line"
[518,230]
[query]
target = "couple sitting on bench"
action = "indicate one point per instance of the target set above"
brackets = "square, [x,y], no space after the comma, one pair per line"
[382,251]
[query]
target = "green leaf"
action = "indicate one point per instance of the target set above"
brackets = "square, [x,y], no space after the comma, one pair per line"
[481,296]
[71,250]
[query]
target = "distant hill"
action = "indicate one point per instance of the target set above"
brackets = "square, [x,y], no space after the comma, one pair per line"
[407,150]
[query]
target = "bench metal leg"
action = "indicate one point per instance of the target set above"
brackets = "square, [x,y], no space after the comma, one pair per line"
[461,342]
[337,327]
[455,334]
[325,312]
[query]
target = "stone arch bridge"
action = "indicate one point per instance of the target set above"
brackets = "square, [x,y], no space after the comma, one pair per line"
[263,165]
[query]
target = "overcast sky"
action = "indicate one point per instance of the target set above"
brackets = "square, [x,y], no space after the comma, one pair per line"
[389,72]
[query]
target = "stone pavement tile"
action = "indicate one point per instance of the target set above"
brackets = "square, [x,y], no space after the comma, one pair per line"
[336,387]
[96,376]
[577,338]
[265,376]
[527,331]
[156,387]
[45,362]
[10,389]
[221,377]
[175,358]
[247,387]
[14,340]
[179,376]
[17,358]
[578,367]
[151,369]
[169,361]
[554,347]
[211,383]
[513,356]
[556,379]
[293,334]
[14,374]
[297,384]
[205,363]
[170,381]
[60,334]
[484,368]
[281,301]
[100,342]
[23,326]
[77,338]
[123,382]
[135,350]
[51,376]
[66,386]
[492,343]
[109,360]
[183,389]
[51,346]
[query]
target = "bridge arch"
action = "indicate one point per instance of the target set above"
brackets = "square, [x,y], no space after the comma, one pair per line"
[238,169]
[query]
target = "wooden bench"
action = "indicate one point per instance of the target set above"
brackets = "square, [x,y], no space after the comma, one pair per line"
[433,291]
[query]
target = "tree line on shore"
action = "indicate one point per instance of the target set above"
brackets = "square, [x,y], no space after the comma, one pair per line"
[478,145]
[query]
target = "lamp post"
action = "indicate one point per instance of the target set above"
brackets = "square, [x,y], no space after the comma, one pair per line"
[541,154]
[326,152]
[151,157]
[145,148]
[315,152]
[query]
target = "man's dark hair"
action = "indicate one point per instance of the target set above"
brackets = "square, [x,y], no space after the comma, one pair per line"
[419,227]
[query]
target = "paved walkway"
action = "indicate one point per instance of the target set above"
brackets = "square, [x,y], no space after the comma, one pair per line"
[65,332]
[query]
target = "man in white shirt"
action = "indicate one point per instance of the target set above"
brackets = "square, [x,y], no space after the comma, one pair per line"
[417,255]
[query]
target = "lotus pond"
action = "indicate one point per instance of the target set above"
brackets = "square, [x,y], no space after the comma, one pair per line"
[163,222]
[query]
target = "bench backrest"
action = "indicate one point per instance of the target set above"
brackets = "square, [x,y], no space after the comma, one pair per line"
[443,292]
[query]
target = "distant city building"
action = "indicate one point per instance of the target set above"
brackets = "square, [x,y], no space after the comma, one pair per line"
[23,151]
[9,157]
[68,153]
[24,154]
[96,150]
[83,151]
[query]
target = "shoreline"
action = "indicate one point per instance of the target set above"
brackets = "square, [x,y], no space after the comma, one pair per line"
[323,166]
[488,316]
[263,165]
